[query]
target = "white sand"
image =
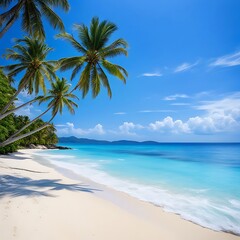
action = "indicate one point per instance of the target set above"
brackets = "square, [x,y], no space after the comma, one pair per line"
[37,202]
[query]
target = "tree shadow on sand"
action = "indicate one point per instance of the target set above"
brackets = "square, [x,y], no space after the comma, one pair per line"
[16,156]
[22,186]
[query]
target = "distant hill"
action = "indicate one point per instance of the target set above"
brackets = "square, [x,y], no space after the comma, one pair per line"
[86,141]
[73,139]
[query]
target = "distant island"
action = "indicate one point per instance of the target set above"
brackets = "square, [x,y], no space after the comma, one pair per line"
[73,139]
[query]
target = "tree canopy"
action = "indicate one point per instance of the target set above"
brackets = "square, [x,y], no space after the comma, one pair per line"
[10,124]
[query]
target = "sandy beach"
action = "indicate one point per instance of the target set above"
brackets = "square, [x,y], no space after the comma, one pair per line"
[39,202]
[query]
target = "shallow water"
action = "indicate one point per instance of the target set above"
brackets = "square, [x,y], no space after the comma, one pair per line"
[201,182]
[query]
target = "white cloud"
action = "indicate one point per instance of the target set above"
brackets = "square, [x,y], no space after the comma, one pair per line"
[180,104]
[25,94]
[185,66]
[28,110]
[155,111]
[230,105]
[203,94]
[227,60]
[154,74]
[220,116]
[196,125]
[169,125]
[70,129]
[18,102]
[25,111]
[211,124]
[127,127]
[214,117]
[120,113]
[98,129]
[174,97]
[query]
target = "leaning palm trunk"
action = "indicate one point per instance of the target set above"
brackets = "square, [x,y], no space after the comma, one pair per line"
[30,123]
[9,141]
[13,138]
[17,108]
[20,88]
[10,102]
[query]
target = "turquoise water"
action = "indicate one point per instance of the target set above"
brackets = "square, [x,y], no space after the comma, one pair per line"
[201,182]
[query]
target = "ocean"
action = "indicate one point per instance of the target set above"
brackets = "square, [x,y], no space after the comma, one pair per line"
[200,182]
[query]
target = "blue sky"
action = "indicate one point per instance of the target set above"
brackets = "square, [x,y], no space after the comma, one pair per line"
[183,64]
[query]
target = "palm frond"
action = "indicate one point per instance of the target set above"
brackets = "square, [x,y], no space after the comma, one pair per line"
[5,3]
[76,70]
[114,52]
[117,43]
[44,99]
[70,95]
[95,82]
[15,71]
[104,80]
[6,16]
[106,29]
[74,42]
[60,3]
[84,81]
[32,21]
[83,35]
[52,17]
[115,70]
[70,62]
[69,105]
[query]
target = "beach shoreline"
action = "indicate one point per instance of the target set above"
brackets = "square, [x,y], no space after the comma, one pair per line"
[47,194]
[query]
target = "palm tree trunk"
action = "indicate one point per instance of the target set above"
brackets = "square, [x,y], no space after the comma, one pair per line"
[30,123]
[17,108]
[15,12]
[20,88]
[9,141]
[74,89]
[54,115]
[14,139]
[10,102]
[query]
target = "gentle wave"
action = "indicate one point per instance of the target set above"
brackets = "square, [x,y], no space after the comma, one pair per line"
[55,156]
[201,209]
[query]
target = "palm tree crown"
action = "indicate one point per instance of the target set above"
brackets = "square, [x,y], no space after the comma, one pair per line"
[94,53]
[31,12]
[59,96]
[31,55]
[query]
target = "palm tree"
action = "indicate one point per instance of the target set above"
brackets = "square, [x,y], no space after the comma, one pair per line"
[59,96]
[94,53]
[31,12]
[31,56]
